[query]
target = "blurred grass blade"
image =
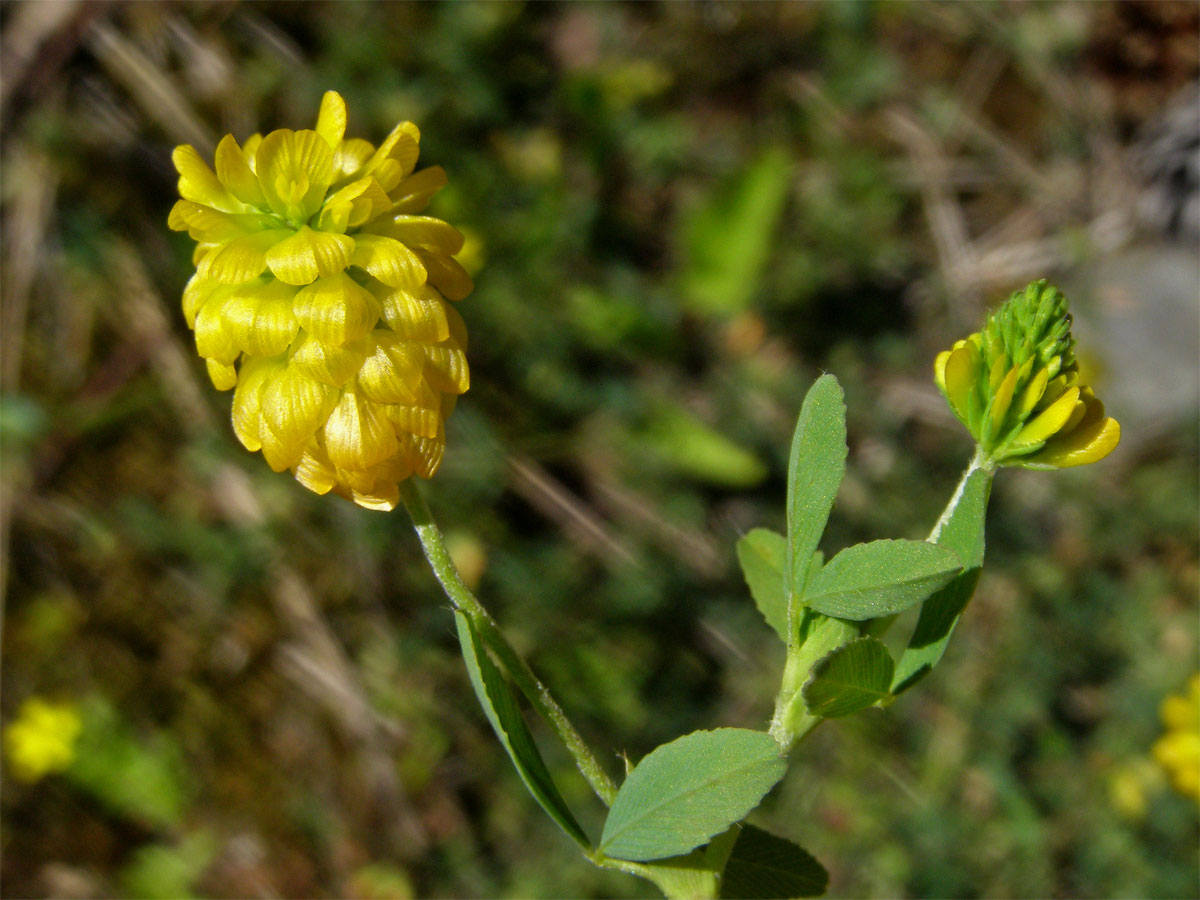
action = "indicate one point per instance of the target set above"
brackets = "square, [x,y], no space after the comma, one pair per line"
[729,238]
[502,711]
[694,449]
[964,534]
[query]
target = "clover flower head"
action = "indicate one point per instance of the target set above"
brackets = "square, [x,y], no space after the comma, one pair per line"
[320,297]
[41,739]
[1015,386]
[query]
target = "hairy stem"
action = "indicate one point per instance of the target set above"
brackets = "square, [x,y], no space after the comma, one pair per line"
[510,661]
[978,461]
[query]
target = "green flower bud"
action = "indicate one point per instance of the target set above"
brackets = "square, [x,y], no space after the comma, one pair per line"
[1015,386]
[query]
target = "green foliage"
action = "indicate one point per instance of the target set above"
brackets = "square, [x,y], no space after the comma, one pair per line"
[142,779]
[696,874]
[500,704]
[963,533]
[695,450]
[852,677]
[729,236]
[169,871]
[815,470]
[334,743]
[686,791]
[767,867]
[880,578]
[762,555]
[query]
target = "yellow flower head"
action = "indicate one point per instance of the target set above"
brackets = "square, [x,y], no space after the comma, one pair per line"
[320,295]
[41,739]
[1015,385]
[1178,750]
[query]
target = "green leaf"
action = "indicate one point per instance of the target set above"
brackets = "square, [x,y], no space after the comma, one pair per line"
[815,470]
[880,578]
[729,238]
[695,874]
[850,678]
[964,534]
[686,791]
[502,711]
[761,553]
[767,867]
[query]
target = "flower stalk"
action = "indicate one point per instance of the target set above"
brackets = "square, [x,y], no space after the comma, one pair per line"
[510,661]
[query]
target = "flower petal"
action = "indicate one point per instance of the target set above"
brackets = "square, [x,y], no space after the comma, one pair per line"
[212,340]
[222,376]
[960,372]
[196,293]
[393,373]
[415,420]
[358,434]
[424,232]
[351,206]
[413,194]
[197,181]
[424,454]
[327,363]
[1086,444]
[418,315]
[331,119]
[1048,421]
[351,156]
[308,255]
[389,261]
[1033,393]
[242,259]
[259,318]
[235,174]
[384,500]
[939,369]
[295,169]
[250,149]
[294,407]
[446,367]
[315,471]
[211,226]
[998,406]
[247,399]
[402,145]
[336,310]
[447,275]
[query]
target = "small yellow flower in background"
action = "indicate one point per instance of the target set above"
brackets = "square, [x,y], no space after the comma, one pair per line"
[41,739]
[1178,750]
[320,296]
[1015,386]
[1131,785]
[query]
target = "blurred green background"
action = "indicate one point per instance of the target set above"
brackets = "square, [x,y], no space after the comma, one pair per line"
[679,215]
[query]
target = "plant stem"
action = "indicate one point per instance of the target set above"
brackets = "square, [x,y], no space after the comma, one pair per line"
[791,722]
[978,461]
[508,658]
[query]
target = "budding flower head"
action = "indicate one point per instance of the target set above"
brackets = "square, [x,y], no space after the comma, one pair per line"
[320,296]
[1015,385]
